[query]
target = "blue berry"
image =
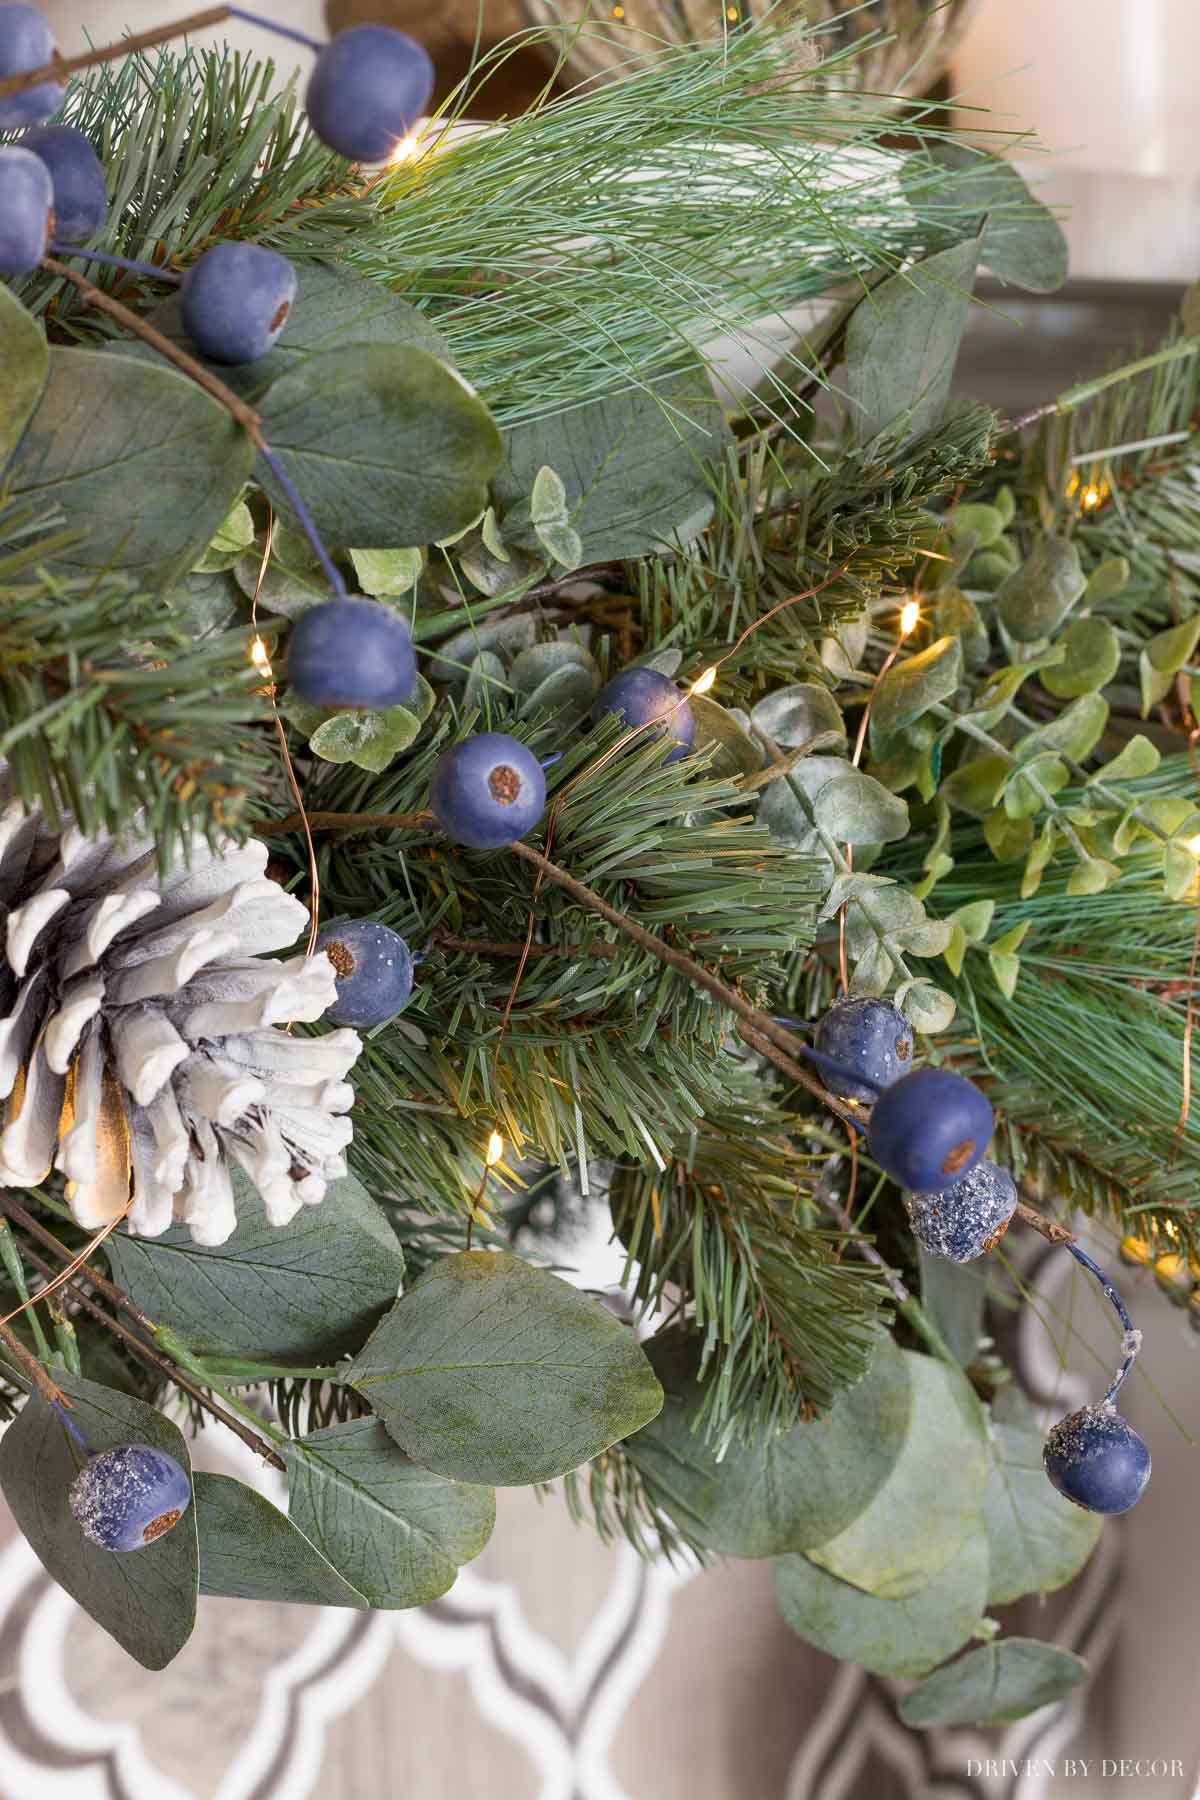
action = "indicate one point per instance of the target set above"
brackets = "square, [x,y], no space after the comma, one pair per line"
[369,88]
[929,1129]
[869,1039]
[374,973]
[26,210]
[236,300]
[352,653]
[487,791]
[124,1499]
[962,1221]
[80,194]
[1097,1460]
[639,695]
[27,42]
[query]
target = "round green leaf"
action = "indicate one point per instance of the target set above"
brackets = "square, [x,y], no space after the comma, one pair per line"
[794,715]
[788,1492]
[1038,1540]
[369,740]
[914,684]
[857,809]
[1093,656]
[1036,598]
[994,1685]
[735,753]
[491,1370]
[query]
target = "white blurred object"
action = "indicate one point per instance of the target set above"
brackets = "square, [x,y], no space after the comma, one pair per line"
[79,23]
[1109,89]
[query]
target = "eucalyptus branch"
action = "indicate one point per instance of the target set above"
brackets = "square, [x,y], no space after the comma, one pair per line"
[1088,390]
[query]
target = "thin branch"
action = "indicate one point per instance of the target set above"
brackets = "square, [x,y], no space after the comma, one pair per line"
[336,821]
[1052,1232]
[63,66]
[29,1363]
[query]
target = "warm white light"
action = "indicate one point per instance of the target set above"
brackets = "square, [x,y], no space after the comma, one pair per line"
[405,150]
[1192,844]
[259,657]
[910,613]
[704,683]
[1091,498]
[495,1149]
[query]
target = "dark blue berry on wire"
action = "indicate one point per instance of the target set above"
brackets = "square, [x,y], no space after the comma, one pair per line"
[641,696]
[374,973]
[968,1218]
[873,1043]
[236,300]
[129,1497]
[26,210]
[80,192]
[27,42]
[1094,1456]
[487,791]
[369,88]
[929,1129]
[352,653]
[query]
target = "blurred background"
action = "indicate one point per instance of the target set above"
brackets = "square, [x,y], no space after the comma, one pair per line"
[561,1670]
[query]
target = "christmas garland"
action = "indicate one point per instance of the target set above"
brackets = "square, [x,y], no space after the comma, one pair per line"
[302,629]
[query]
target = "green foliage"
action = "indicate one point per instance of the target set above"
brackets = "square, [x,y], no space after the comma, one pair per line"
[994,1685]
[249,1550]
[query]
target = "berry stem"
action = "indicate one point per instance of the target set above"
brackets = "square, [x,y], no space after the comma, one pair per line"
[283,31]
[301,511]
[128,46]
[1131,1342]
[117,262]
[72,1427]
[32,1368]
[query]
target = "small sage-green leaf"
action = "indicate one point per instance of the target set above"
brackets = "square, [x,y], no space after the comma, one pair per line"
[902,343]
[1036,598]
[567,693]
[1179,871]
[857,809]
[1022,240]
[1093,656]
[1074,733]
[1014,938]
[873,971]
[1138,757]
[284,591]
[792,716]
[383,572]
[955,614]
[234,535]
[955,952]
[1005,970]
[1092,877]
[975,786]
[735,753]
[984,520]
[1167,651]
[491,1370]
[994,1684]
[537,663]
[1007,839]
[913,685]
[369,740]
[485,674]
[563,543]
[1154,684]
[928,1008]
[954,1294]
[1106,580]
[1024,795]
[975,919]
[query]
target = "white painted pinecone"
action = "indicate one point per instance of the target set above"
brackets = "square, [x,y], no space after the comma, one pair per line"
[139,1048]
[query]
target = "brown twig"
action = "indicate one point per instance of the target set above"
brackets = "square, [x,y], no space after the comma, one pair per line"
[1047,1228]
[128,46]
[336,821]
[26,1361]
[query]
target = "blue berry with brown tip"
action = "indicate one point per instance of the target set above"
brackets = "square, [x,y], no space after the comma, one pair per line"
[27,42]
[80,192]
[129,1497]
[640,697]
[353,654]
[236,300]
[1097,1460]
[26,210]
[374,968]
[487,791]
[968,1218]
[870,1040]
[929,1129]
[367,91]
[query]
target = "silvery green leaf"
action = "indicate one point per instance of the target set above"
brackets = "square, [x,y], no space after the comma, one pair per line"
[492,536]
[1138,757]
[857,809]
[1092,877]
[1023,796]
[485,676]
[975,786]
[234,535]
[24,365]
[567,693]
[1022,240]
[1154,684]
[913,685]
[927,937]
[735,754]
[928,1008]
[902,343]
[856,885]
[536,664]
[561,542]
[872,973]
[454,656]
[369,740]
[1179,871]
[249,1550]
[280,590]
[975,919]
[1035,599]
[955,613]
[954,1296]
[842,650]
[548,499]
[385,572]
[1168,650]
[1093,656]
[665,661]
[489,574]
[994,1685]
[205,603]
[787,805]
[1038,1540]
[1074,733]
[794,715]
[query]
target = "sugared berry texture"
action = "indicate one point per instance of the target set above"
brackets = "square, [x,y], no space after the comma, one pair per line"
[26,210]
[929,1129]
[374,972]
[640,696]
[26,42]
[236,300]
[367,91]
[80,193]
[352,653]
[962,1221]
[128,1497]
[870,1041]
[1097,1460]
[487,791]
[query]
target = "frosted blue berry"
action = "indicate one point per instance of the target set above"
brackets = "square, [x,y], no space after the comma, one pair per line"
[929,1129]
[374,972]
[369,88]
[236,300]
[26,210]
[967,1218]
[27,42]
[352,653]
[639,695]
[126,1498]
[80,194]
[1097,1460]
[868,1038]
[487,791]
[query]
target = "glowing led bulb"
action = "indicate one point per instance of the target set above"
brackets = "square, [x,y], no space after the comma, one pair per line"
[495,1149]
[910,613]
[704,683]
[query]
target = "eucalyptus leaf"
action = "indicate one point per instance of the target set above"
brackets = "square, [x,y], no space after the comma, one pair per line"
[1154,685]
[386,444]
[24,366]
[1093,656]
[484,676]
[145,1599]
[531,667]
[914,684]
[1179,871]
[902,343]
[1035,599]
[938,1479]
[234,535]
[566,694]
[1136,758]
[249,1550]
[1022,240]
[927,1007]
[204,603]
[787,1492]
[369,740]
[150,478]
[994,1684]
[954,1294]
[395,1532]
[794,715]
[954,613]
[1168,650]
[1038,1540]
[1092,876]
[1075,732]
[494,1371]
[288,592]
[313,1291]
[975,786]
[387,572]
[735,753]
[1106,580]
[857,809]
